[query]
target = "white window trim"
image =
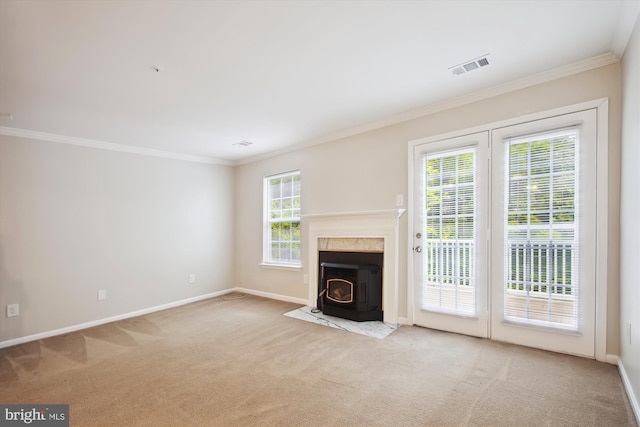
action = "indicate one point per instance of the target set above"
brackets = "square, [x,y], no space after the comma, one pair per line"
[286,267]
[266,229]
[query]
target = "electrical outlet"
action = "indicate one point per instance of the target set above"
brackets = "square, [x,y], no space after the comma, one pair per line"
[102,294]
[192,278]
[13,310]
[399,200]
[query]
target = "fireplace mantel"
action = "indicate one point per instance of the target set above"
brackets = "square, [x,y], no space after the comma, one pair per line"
[366,224]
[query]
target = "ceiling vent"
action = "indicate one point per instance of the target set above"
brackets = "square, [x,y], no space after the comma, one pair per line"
[474,64]
[243,143]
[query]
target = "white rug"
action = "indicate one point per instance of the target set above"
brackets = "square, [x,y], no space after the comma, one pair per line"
[375,329]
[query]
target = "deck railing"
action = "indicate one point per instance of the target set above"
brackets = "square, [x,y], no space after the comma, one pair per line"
[542,268]
[449,262]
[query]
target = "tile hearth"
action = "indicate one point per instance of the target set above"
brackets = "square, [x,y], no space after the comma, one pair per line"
[373,329]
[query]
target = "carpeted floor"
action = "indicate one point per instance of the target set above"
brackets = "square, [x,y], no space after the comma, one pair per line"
[240,362]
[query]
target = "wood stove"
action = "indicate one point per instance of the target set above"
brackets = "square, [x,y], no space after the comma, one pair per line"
[350,285]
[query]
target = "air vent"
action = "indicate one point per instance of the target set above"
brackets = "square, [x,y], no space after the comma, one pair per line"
[243,143]
[483,62]
[468,66]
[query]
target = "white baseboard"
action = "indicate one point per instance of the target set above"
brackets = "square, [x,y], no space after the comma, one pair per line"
[73,328]
[633,399]
[611,359]
[270,295]
[403,321]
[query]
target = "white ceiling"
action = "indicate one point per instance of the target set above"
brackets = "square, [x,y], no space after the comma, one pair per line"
[276,73]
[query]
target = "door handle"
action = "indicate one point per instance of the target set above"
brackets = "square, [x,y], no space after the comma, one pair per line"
[417,249]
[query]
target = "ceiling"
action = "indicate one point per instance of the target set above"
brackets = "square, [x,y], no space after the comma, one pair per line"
[197,77]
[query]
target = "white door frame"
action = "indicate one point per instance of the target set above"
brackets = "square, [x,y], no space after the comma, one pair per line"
[602,210]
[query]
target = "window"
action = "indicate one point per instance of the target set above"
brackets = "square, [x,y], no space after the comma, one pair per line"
[282,219]
[541,239]
[450,224]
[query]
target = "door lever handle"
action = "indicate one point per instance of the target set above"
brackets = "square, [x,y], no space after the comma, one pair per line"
[417,249]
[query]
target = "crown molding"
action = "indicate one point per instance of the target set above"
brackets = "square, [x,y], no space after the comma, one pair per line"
[546,76]
[91,143]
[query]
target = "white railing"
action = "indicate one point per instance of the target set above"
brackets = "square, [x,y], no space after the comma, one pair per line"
[449,262]
[544,269]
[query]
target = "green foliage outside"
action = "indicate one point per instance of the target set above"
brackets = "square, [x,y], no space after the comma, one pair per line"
[284,214]
[541,206]
[450,200]
[542,185]
[284,194]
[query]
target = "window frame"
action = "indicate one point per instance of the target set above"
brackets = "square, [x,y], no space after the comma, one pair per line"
[267,259]
[551,247]
[586,339]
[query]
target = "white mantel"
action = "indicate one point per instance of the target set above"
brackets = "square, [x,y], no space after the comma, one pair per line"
[369,224]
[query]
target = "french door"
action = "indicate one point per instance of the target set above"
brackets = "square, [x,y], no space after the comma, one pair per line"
[503,233]
[449,234]
[543,233]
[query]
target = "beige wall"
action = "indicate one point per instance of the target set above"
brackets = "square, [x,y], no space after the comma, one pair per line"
[74,220]
[365,172]
[629,216]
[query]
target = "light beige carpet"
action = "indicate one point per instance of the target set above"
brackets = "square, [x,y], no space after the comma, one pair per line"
[242,363]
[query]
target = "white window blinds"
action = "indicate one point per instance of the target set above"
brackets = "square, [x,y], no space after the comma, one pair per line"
[449,248]
[542,286]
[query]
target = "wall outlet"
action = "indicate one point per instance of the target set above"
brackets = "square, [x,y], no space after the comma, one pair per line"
[399,200]
[13,310]
[102,294]
[192,278]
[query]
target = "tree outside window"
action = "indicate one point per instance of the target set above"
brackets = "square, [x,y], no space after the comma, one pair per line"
[282,224]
